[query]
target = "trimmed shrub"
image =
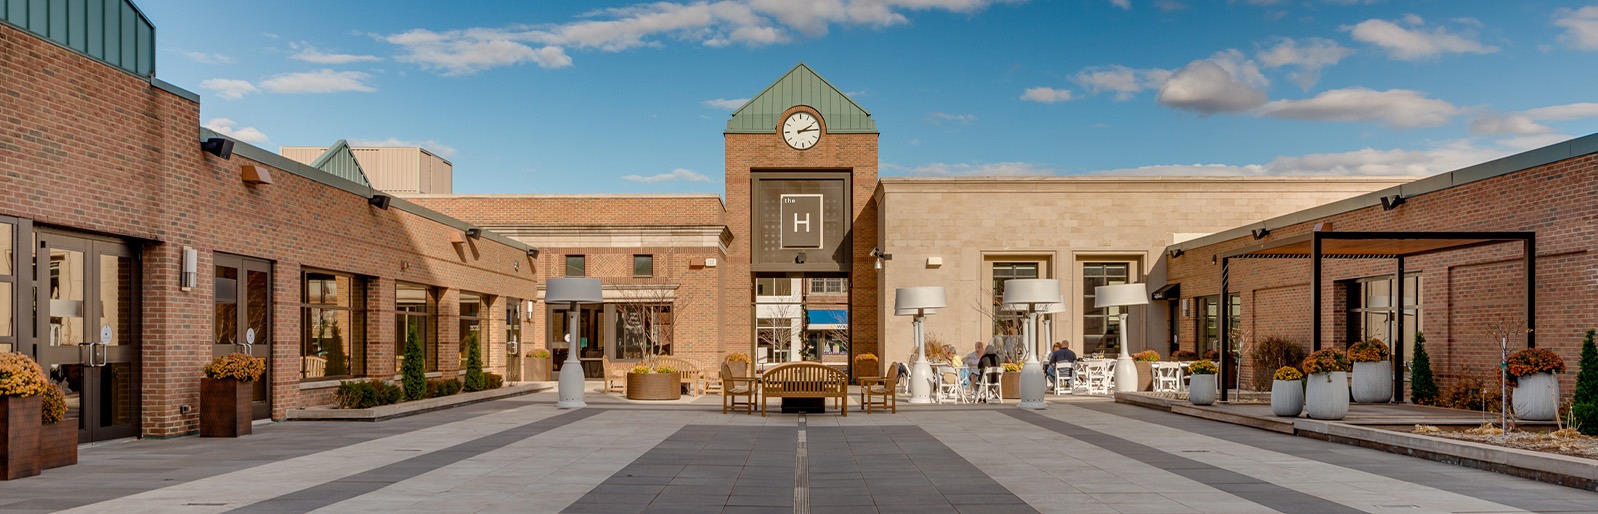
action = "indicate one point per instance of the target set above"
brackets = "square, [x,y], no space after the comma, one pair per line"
[493,381]
[365,394]
[1422,384]
[414,368]
[442,387]
[1584,412]
[474,364]
[1273,352]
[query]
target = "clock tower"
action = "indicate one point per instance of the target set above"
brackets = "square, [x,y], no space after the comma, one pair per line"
[801,283]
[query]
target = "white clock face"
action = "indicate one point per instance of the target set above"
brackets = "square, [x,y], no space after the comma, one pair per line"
[801,130]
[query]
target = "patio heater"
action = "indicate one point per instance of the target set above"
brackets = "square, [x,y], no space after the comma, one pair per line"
[1123,295]
[919,302]
[1034,293]
[572,291]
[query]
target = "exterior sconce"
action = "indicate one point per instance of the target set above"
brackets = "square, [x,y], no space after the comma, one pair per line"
[457,238]
[474,232]
[379,200]
[1391,202]
[877,252]
[255,175]
[532,253]
[1175,252]
[191,269]
[1260,233]
[220,147]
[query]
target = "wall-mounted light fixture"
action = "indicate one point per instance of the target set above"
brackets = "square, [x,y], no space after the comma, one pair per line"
[1175,252]
[457,238]
[799,258]
[532,253]
[877,252]
[254,174]
[1391,202]
[1260,233]
[1324,226]
[191,269]
[379,200]
[474,232]
[218,146]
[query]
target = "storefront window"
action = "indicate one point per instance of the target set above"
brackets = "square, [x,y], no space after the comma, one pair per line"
[334,338]
[642,330]
[513,319]
[473,307]
[1371,310]
[416,308]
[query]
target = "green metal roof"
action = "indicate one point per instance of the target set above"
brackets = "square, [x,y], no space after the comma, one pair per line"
[339,161]
[113,31]
[801,86]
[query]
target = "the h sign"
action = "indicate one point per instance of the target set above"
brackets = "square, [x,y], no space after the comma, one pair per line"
[801,221]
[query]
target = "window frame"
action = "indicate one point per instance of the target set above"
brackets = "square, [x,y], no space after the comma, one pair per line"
[481,319]
[429,316]
[356,341]
[581,261]
[644,257]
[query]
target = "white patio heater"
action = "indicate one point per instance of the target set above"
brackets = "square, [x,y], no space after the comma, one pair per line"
[1048,324]
[1033,293]
[573,292]
[1123,295]
[919,302]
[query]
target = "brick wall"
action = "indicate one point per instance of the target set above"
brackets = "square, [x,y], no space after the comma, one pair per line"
[86,147]
[1464,291]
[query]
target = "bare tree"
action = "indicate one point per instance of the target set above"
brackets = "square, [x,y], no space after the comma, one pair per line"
[648,309]
[1006,324]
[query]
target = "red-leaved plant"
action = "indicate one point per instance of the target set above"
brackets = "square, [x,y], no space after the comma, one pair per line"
[1531,361]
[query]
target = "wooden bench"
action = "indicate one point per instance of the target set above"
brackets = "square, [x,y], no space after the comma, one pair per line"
[804,380]
[689,371]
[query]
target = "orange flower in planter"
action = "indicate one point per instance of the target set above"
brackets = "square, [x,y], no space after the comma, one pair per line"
[1369,350]
[1531,361]
[20,376]
[241,366]
[1146,356]
[1326,361]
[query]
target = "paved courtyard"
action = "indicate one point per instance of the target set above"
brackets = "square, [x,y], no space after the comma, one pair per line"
[524,455]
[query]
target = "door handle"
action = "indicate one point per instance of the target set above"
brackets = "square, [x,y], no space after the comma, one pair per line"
[94,354]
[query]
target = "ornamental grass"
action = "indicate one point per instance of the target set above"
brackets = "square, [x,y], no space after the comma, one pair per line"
[1531,361]
[240,366]
[1369,350]
[1202,367]
[1327,360]
[1288,373]
[1146,356]
[20,376]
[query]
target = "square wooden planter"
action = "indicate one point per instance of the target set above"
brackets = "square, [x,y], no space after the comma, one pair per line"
[1145,375]
[19,437]
[225,407]
[58,444]
[653,386]
[538,369]
[1011,383]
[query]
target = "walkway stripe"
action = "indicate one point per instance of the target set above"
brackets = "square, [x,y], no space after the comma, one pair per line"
[899,468]
[1237,484]
[703,468]
[329,493]
[801,474]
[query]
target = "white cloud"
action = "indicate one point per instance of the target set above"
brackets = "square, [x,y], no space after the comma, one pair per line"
[1207,87]
[1581,27]
[320,81]
[726,104]
[1564,112]
[230,128]
[1417,43]
[711,23]
[678,174]
[1396,108]
[1124,4]
[1170,5]
[309,54]
[1506,124]
[1121,80]
[1368,162]
[995,169]
[937,118]
[231,89]
[208,58]
[1309,56]
[1046,95]
[439,149]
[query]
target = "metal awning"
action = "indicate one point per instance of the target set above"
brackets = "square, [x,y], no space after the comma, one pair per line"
[1398,246]
[1167,292]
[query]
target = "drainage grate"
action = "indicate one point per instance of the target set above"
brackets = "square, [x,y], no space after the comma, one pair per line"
[801,474]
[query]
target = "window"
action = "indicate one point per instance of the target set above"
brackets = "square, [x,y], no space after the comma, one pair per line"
[642,330]
[576,266]
[1101,327]
[1008,323]
[1209,321]
[774,339]
[829,285]
[8,337]
[473,308]
[1371,308]
[773,286]
[643,266]
[333,342]
[416,310]
[513,319]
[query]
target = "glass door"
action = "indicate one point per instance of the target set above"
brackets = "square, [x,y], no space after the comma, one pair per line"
[89,341]
[590,338]
[243,316]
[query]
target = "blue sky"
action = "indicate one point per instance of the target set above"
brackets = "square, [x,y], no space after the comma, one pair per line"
[614,97]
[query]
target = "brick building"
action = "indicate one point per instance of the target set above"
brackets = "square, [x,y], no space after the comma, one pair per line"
[146,255]
[1458,298]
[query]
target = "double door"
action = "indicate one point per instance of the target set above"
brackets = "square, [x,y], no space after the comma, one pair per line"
[87,330]
[243,318]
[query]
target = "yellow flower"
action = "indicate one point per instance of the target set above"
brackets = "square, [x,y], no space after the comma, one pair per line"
[241,366]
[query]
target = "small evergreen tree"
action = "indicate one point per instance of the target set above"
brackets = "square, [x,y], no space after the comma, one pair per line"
[338,363]
[414,369]
[475,381]
[1422,385]
[1585,403]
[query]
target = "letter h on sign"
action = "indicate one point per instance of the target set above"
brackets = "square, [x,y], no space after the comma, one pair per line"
[801,215]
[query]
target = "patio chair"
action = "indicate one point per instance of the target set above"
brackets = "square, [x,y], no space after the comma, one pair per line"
[1064,377]
[990,385]
[951,385]
[615,375]
[1100,374]
[734,386]
[1167,377]
[881,392]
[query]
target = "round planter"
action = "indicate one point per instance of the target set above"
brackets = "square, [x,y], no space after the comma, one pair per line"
[653,386]
[1011,383]
[1537,397]
[1287,397]
[1201,389]
[1145,375]
[1327,395]
[1373,382]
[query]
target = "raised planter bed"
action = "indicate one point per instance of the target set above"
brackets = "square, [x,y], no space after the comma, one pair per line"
[412,408]
[653,386]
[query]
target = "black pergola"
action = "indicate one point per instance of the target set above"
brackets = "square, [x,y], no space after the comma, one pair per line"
[1398,246]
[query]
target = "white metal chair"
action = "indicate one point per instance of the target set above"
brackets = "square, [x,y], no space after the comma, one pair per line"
[1064,377]
[990,385]
[1167,377]
[951,385]
[1100,376]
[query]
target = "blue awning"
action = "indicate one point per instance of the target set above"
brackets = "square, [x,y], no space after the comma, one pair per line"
[828,319]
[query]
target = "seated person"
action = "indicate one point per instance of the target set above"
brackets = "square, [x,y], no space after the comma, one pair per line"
[1062,353]
[972,358]
[991,360]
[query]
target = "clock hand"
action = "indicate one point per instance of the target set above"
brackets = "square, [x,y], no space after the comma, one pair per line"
[811,129]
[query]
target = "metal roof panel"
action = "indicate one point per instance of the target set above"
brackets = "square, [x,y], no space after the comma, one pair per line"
[801,86]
